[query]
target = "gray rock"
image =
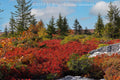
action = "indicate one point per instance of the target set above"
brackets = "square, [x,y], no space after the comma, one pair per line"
[102,79]
[74,78]
[68,78]
[114,48]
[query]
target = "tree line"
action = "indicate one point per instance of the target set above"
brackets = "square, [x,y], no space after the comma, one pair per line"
[21,19]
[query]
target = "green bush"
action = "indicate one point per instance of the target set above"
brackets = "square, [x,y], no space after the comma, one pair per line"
[72,38]
[102,45]
[58,37]
[80,65]
[51,76]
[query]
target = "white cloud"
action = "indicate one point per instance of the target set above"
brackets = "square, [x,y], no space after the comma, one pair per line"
[54,1]
[102,7]
[69,1]
[48,12]
[69,5]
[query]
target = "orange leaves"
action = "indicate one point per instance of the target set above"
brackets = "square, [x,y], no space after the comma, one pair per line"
[28,59]
[110,65]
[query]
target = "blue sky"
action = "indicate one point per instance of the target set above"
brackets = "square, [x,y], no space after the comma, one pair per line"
[85,11]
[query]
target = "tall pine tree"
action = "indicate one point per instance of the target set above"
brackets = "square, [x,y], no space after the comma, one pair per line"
[65,26]
[114,19]
[77,27]
[6,31]
[99,26]
[23,14]
[33,20]
[86,31]
[51,27]
[12,24]
[80,29]
[59,24]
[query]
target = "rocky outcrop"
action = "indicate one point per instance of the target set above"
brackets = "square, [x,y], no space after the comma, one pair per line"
[76,78]
[114,48]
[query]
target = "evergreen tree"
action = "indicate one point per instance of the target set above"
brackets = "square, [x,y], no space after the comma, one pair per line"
[99,26]
[109,30]
[80,29]
[76,26]
[33,20]
[86,31]
[65,26]
[60,24]
[6,31]
[12,24]
[51,27]
[23,14]
[114,19]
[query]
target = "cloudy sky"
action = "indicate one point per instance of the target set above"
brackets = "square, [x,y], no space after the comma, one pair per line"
[85,11]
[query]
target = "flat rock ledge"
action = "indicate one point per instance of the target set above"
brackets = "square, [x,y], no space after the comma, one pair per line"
[114,48]
[76,78]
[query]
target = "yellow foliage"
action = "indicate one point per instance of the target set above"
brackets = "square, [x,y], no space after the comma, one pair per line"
[42,32]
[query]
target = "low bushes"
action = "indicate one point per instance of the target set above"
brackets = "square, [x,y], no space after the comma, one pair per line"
[80,65]
[72,38]
[52,59]
[85,66]
[110,66]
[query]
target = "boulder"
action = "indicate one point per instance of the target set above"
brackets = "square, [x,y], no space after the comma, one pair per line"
[114,48]
[75,78]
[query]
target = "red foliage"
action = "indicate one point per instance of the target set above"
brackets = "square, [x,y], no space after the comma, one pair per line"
[51,56]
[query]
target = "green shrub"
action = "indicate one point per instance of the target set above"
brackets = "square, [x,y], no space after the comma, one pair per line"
[102,45]
[58,37]
[80,65]
[72,38]
[51,76]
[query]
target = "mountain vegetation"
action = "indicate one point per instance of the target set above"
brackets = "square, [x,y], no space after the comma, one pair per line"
[30,49]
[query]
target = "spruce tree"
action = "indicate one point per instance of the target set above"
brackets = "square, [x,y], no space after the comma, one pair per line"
[51,27]
[80,29]
[33,20]
[109,30]
[65,26]
[86,31]
[60,24]
[114,19]
[6,31]
[76,26]
[23,14]
[12,24]
[99,26]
